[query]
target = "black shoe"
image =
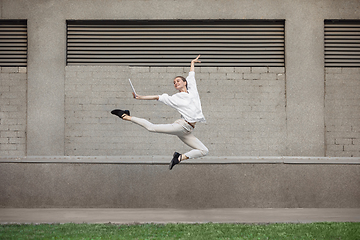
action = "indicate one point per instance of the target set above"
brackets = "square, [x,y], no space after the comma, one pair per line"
[120,113]
[174,160]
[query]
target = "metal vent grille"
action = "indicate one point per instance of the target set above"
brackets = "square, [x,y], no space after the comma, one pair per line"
[13,43]
[173,43]
[342,43]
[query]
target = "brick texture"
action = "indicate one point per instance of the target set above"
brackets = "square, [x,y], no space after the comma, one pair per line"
[244,108]
[13,111]
[342,111]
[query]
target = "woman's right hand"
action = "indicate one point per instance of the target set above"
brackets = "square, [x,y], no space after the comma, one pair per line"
[152,97]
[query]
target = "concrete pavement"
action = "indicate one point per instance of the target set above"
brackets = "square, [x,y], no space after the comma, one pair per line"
[227,215]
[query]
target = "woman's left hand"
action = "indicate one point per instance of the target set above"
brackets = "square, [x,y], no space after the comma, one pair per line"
[192,65]
[196,60]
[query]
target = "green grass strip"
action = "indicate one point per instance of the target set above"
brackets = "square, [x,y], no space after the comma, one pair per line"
[325,230]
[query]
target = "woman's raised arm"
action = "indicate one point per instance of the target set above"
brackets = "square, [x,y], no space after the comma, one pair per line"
[192,66]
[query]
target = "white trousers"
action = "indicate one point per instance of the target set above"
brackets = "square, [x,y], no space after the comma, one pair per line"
[179,128]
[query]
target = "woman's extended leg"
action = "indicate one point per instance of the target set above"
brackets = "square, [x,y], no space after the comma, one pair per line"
[199,149]
[174,128]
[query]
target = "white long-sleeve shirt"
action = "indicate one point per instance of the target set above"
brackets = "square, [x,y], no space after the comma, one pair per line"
[187,104]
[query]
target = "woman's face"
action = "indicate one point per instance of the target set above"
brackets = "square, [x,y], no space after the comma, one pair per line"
[179,84]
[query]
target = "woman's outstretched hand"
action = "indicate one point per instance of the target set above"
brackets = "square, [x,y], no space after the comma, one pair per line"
[192,66]
[151,97]
[196,59]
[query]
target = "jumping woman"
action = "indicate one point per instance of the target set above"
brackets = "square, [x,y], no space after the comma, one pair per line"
[187,103]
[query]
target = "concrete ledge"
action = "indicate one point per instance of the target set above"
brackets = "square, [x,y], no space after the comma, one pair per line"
[166,160]
[227,215]
[211,182]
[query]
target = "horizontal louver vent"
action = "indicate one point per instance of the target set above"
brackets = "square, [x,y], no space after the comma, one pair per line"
[342,43]
[174,43]
[13,43]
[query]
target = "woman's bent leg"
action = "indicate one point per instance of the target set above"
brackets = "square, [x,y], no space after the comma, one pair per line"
[200,150]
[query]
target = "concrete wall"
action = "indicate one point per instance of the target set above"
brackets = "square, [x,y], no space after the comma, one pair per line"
[207,183]
[51,109]
[50,123]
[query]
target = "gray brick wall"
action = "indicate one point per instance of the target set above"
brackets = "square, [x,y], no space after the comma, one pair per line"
[342,112]
[245,111]
[244,107]
[13,111]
